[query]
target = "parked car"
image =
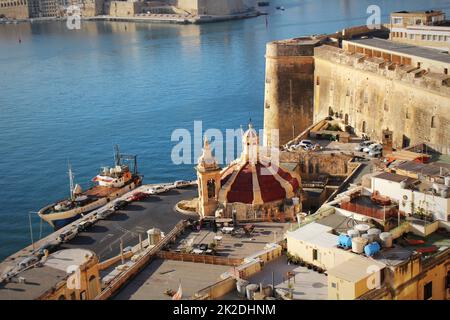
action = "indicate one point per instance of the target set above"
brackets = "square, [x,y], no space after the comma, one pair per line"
[157,190]
[305,144]
[138,196]
[181,184]
[104,214]
[28,261]
[362,145]
[371,147]
[50,247]
[84,225]
[67,235]
[127,249]
[121,204]
[376,151]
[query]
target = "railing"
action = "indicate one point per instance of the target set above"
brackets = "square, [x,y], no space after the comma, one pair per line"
[197,258]
[124,277]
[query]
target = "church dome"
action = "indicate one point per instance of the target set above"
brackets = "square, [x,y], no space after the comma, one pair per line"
[257,184]
[252,181]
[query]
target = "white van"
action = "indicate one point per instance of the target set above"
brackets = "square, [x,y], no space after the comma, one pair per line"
[67,235]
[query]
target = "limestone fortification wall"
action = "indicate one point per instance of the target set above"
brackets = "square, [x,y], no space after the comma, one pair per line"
[289,90]
[212,7]
[14,9]
[374,95]
[122,8]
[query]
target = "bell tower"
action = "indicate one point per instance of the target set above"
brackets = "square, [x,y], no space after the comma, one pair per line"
[208,179]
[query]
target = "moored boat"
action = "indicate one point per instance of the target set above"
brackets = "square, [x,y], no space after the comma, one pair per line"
[110,184]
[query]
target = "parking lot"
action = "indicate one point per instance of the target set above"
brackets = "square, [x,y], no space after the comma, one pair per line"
[125,225]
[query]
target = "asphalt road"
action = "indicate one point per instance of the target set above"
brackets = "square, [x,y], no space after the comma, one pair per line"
[157,211]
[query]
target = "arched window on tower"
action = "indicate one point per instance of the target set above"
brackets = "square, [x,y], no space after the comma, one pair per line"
[433,122]
[211,188]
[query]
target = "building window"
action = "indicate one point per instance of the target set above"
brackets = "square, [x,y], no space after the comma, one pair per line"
[83,295]
[62,297]
[428,291]
[314,254]
[73,296]
[333,285]
[433,122]
[318,80]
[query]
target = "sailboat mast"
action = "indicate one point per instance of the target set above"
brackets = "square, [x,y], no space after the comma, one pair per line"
[116,155]
[71,181]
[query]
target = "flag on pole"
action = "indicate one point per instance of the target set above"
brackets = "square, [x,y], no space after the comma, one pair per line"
[179,294]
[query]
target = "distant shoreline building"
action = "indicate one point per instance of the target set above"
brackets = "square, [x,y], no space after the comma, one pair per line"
[421,28]
[24,9]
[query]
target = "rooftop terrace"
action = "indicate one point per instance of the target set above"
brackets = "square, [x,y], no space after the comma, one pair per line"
[416,51]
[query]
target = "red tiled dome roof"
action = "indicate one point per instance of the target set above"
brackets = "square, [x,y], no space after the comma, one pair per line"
[256,184]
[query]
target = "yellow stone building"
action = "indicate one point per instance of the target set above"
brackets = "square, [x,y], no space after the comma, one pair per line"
[373,85]
[421,28]
[14,9]
[69,274]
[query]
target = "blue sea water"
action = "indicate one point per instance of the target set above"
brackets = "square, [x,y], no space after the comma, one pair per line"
[73,94]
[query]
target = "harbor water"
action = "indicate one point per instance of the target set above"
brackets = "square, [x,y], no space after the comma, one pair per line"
[70,95]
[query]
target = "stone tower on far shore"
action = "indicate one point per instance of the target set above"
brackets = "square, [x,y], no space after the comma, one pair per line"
[289,89]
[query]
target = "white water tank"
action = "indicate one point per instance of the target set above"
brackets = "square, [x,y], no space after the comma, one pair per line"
[241,285]
[358,244]
[352,233]
[386,239]
[366,236]
[447,181]
[251,289]
[362,228]
[374,234]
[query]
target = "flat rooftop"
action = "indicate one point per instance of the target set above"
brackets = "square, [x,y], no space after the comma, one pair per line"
[237,246]
[40,279]
[161,275]
[394,177]
[423,52]
[429,169]
[37,282]
[339,222]
[306,284]
[355,269]
[317,234]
